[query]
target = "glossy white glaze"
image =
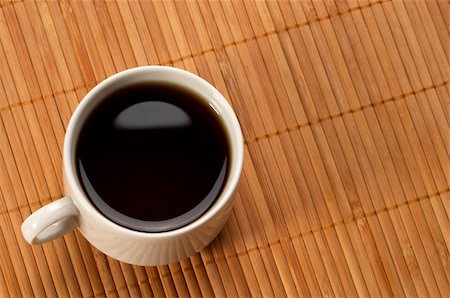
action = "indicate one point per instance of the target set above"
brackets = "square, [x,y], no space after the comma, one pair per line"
[127,245]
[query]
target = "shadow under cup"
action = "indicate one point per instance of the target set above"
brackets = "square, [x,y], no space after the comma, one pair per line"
[153,156]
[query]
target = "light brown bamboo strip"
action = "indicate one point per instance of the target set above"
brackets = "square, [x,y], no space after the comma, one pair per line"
[361,121]
[9,196]
[322,110]
[11,61]
[425,206]
[252,122]
[294,138]
[23,72]
[64,54]
[444,199]
[89,260]
[413,77]
[143,281]
[444,100]
[87,11]
[207,64]
[290,193]
[440,53]
[131,280]
[253,237]
[266,192]
[155,281]
[167,281]
[153,30]
[355,204]
[201,275]
[20,286]
[119,282]
[3,287]
[67,81]
[441,236]
[137,43]
[228,280]
[32,37]
[409,15]
[190,278]
[166,32]
[437,131]
[412,233]
[178,31]
[109,33]
[105,276]
[350,123]
[11,286]
[115,34]
[27,286]
[444,8]
[406,56]
[9,228]
[247,280]
[401,37]
[373,6]
[439,22]
[179,280]
[57,49]
[380,114]
[429,122]
[371,156]
[73,12]
[444,284]
[70,35]
[287,143]
[334,274]
[81,271]
[212,272]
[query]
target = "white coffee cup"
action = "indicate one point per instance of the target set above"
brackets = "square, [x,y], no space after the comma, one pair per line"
[75,210]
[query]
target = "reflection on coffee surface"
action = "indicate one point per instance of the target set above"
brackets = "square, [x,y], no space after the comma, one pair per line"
[154,153]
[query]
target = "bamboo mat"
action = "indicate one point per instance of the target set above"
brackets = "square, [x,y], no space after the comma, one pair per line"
[345,112]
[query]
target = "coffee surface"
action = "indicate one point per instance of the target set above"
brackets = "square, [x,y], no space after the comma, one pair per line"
[152,153]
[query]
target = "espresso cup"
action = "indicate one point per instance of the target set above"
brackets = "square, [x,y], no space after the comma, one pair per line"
[123,242]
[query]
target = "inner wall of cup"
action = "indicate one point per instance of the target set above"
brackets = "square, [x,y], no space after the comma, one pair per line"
[95,97]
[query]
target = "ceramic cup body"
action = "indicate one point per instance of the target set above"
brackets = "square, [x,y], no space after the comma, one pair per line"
[141,248]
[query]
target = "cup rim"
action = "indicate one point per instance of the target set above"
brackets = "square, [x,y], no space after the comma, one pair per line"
[154,73]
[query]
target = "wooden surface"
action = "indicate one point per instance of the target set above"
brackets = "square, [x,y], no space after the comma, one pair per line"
[345,113]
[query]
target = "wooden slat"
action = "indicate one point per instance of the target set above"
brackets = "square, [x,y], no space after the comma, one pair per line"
[344,108]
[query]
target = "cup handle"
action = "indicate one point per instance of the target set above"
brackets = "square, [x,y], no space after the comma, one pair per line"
[50,221]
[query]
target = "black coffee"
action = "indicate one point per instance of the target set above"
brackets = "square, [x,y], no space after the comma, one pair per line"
[153,157]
